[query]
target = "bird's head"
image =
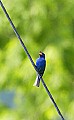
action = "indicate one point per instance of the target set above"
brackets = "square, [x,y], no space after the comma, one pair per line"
[41,54]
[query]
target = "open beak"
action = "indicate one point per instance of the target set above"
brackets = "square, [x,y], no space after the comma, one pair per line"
[40,53]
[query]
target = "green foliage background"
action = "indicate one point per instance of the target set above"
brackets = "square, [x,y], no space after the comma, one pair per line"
[46,25]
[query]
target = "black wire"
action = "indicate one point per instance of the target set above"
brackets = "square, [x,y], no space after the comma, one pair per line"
[50,95]
[29,56]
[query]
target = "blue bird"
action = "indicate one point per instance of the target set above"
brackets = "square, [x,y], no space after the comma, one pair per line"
[40,64]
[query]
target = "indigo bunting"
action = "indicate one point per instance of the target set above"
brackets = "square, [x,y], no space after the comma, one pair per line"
[40,64]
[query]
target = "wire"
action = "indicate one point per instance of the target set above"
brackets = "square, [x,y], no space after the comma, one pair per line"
[31,60]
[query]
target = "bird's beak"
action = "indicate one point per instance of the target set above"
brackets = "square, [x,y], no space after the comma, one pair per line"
[40,53]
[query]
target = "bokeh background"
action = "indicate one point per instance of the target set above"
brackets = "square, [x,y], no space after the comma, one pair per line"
[46,25]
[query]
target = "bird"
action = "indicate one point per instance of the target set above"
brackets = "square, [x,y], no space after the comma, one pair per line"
[40,65]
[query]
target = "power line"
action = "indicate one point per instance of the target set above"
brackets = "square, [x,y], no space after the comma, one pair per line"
[31,60]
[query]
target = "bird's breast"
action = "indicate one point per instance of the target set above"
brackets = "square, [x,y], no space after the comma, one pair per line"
[41,63]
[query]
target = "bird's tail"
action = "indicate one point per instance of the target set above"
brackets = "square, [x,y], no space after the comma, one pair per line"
[37,82]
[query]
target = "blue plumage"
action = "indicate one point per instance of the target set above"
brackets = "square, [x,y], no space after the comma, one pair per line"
[40,64]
